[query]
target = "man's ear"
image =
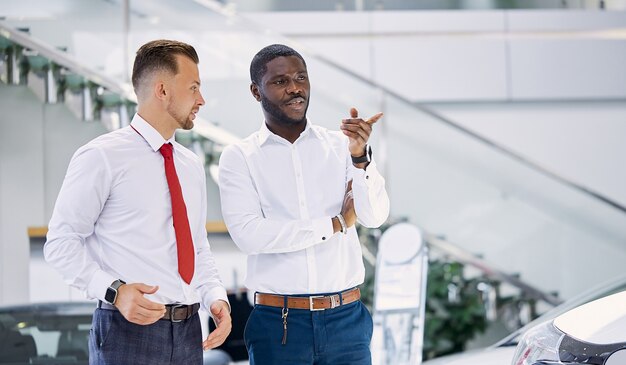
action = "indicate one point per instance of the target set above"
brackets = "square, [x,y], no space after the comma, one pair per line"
[254,89]
[160,90]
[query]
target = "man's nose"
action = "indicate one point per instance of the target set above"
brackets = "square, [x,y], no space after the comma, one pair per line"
[293,87]
[201,99]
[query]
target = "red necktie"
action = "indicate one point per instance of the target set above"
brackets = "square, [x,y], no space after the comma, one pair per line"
[184,243]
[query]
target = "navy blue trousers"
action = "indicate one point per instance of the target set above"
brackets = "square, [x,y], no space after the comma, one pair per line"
[339,336]
[115,341]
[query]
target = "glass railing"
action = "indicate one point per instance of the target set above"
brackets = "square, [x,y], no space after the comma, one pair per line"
[453,184]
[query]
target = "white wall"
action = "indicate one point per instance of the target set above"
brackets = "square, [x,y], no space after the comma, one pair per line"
[584,142]
[21,189]
[37,142]
[471,55]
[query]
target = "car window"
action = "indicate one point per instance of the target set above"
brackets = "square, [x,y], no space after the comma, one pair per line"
[42,335]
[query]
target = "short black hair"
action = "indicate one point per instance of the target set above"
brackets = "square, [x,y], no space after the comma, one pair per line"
[258,66]
[159,55]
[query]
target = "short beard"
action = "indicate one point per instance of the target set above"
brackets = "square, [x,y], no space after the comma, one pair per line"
[280,117]
[183,120]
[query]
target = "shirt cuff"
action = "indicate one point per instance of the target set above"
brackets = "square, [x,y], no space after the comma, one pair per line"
[323,228]
[368,177]
[212,295]
[98,285]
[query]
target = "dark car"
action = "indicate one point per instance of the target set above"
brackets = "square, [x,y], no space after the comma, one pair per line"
[45,333]
[55,333]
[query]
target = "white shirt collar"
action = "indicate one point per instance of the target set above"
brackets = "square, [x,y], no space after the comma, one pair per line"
[151,135]
[264,133]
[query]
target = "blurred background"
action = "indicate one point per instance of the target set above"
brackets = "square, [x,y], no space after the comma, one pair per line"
[503,139]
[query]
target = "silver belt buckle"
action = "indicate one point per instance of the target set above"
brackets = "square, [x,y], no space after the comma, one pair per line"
[311,303]
[172,310]
[334,301]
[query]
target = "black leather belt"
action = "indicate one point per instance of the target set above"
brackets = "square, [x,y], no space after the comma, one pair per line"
[173,312]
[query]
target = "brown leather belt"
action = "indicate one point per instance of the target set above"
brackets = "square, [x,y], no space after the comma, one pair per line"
[312,303]
[173,312]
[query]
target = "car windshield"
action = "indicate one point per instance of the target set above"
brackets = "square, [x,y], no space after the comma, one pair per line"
[608,288]
[51,333]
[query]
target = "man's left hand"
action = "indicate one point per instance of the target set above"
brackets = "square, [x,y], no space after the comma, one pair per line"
[223,322]
[358,131]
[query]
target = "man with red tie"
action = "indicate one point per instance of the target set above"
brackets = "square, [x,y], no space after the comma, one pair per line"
[128,227]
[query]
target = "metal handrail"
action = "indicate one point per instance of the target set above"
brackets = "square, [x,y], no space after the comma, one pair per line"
[203,127]
[468,258]
[63,59]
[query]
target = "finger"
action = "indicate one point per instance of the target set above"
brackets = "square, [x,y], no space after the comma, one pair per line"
[146,289]
[363,131]
[351,134]
[142,318]
[354,127]
[351,121]
[149,305]
[144,312]
[354,113]
[144,321]
[348,198]
[349,186]
[356,137]
[216,338]
[149,315]
[211,343]
[374,119]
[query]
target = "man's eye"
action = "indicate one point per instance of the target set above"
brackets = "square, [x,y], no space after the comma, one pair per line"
[279,82]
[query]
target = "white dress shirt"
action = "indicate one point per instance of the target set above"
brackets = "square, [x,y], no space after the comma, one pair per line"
[278,199]
[113,219]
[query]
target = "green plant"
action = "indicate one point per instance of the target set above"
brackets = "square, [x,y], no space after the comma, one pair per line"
[454,310]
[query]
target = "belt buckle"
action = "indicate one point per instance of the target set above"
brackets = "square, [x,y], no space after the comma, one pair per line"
[173,310]
[334,302]
[311,303]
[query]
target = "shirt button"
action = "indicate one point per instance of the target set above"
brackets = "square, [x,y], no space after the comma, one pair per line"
[323,238]
[367,177]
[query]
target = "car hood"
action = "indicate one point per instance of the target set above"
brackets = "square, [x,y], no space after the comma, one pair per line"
[602,321]
[488,356]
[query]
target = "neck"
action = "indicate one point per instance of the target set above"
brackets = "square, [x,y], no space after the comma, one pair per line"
[290,132]
[157,119]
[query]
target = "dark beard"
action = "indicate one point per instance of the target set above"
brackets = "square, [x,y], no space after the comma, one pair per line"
[278,115]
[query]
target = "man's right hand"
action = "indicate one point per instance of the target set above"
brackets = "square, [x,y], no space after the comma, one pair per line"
[135,307]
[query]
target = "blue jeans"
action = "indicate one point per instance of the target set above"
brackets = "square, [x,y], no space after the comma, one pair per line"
[339,336]
[115,341]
